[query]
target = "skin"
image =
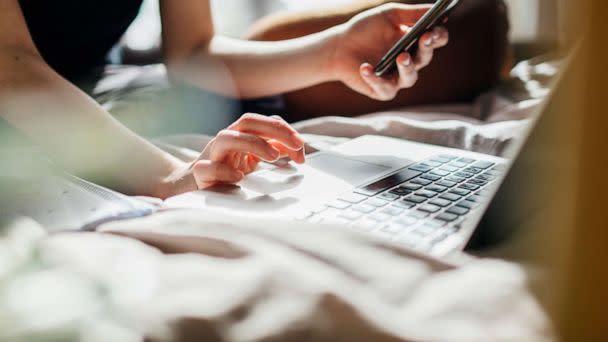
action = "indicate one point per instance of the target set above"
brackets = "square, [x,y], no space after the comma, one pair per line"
[87,141]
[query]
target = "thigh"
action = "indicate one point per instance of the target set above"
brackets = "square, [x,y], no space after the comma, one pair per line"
[474,61]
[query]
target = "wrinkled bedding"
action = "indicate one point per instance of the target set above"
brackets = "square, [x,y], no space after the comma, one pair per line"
[262,281]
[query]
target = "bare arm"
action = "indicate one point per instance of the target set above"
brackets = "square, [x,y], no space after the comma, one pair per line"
[68,124]
[88,141]
[194,53]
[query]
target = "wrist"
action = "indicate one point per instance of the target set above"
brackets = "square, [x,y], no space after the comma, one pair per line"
[179,180]
[331,58]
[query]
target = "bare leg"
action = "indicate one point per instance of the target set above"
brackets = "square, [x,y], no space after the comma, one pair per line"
[476,58]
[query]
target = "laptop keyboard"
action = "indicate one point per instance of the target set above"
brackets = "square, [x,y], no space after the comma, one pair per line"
[419,206]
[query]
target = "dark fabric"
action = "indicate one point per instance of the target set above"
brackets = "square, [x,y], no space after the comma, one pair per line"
[74,36]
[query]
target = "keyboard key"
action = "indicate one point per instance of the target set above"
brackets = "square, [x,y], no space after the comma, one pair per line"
[447,217]
[376,202]
[379,217]
[421,167]
[449,168]
[493,173]
[412,186]
[484,193]
[388,182]
[459,165]
[450,197]
[389,197]
[393,229]
[407,221]
[404,204]
[483,164]
[471,187]
[425,230]
[467,160]
[456,210]
[351,215]
[463,174]
[433,164]
[460,192]
[393,211]
[440,202]
[430,208]
[472,170]
[475,198]
[477,182]
[338,204]
[441,160]
[416,199]
[485,177]
[431,177]
[440,173]
[467,204]
[426,193]
[364,208]
[418,214]
[422,181]
[446,183]
[400,191]
[436,188]
[366,225]
[353,198]
[455,179]
[447,156]
[439,238]
[435,223]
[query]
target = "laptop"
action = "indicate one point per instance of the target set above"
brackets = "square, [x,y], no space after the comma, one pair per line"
[427,198]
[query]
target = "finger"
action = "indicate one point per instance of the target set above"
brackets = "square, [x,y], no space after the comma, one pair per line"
[207,173]
[228,141]
[425,51]
[401,14]
[269,128]
[383,88]
[441,37]
[297,156]
[408,76]
[250,163]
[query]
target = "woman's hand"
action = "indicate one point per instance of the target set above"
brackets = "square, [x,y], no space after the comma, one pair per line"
[237,151]
[365,39]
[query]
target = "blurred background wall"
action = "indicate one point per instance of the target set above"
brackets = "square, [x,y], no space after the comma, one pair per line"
[232,17]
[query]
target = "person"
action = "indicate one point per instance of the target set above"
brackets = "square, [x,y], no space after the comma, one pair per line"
[47,47]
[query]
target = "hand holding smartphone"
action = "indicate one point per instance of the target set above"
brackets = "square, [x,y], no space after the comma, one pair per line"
[438,12]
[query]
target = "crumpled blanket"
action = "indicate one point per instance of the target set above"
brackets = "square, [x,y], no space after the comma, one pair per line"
[250,282]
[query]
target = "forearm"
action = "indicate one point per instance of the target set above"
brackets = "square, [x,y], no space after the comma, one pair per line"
[76,131]
[250,69]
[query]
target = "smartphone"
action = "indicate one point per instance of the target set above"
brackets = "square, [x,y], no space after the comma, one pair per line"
[438,12]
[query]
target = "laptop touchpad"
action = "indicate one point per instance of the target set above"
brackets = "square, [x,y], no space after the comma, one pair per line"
[350,170]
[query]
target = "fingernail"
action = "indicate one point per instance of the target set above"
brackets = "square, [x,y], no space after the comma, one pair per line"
[428,42]
[407,61]
[367,72]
